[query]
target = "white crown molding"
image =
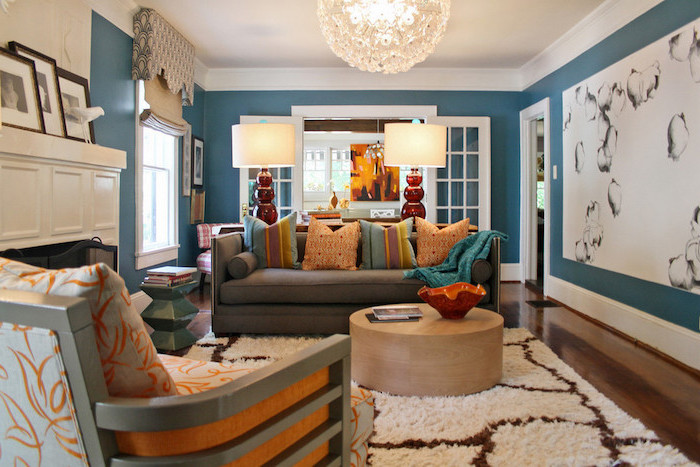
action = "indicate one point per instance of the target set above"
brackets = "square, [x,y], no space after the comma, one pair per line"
[601,23]
[118,12]
[675,341]
[284,79]
[201,73]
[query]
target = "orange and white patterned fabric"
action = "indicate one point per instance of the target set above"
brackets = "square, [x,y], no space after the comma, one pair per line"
[326,249]
[361,424]
[129,360]
[193,376]
[38,425]
[433,244]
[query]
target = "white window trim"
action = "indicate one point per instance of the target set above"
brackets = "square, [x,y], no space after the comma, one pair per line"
[145,259]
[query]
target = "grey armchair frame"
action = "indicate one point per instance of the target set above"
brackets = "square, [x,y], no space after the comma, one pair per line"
[99,415]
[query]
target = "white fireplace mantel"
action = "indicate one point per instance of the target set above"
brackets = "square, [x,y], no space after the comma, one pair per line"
[55,190]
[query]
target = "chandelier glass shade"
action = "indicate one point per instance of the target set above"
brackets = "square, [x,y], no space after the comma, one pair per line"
[387,36]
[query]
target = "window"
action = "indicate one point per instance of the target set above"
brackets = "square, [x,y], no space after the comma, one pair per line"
[156,193]
[324,174]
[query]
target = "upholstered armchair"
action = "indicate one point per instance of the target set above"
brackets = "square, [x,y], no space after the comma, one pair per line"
[80,383]
[205,232]
[56,409]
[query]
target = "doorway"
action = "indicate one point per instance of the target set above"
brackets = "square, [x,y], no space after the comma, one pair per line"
[535,175]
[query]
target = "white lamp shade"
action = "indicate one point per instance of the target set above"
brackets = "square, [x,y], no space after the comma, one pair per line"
[263,145]
[415,144]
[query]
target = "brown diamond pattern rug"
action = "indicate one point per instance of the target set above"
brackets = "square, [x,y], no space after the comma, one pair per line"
[541,413]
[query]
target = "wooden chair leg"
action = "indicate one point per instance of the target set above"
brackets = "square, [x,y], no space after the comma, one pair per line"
[201,282]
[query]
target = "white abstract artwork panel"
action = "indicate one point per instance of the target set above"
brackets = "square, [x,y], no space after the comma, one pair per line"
[631,148]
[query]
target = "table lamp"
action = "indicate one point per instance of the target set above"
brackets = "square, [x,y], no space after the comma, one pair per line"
[263,145]
[415,145]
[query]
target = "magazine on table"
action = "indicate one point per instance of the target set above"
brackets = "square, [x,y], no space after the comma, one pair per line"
[395,312]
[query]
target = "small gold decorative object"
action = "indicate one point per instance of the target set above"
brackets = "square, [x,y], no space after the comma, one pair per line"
[344,203]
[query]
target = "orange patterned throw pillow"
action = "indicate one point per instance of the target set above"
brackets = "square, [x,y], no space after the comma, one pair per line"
[129,360]
[433,244]
[326,249]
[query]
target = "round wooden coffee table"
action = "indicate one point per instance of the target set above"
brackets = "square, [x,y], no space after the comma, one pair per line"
[429,357]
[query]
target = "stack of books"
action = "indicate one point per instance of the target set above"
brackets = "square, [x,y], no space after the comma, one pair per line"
[397,313]
[169,276]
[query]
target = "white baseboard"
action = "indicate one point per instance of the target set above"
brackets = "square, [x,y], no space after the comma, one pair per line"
[510,272]
[140,300]
[675,341]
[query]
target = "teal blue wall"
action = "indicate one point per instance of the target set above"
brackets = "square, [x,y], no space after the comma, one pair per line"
[224,109]
[112,88]
[674,305]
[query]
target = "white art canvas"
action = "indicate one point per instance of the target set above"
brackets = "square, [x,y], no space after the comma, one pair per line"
[631,148]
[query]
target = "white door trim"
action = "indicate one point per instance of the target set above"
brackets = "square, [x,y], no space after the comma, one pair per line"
[528,188]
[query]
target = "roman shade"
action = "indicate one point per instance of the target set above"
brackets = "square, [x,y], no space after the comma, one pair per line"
[164,59]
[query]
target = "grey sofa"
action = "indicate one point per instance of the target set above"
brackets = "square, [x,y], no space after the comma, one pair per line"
[278,301]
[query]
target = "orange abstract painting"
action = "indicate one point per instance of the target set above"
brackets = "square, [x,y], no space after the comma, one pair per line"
[369,179]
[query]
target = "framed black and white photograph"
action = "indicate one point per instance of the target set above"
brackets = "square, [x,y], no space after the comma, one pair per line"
[198,163]
[187,161]
[47,81]
[19,93]
[75,94]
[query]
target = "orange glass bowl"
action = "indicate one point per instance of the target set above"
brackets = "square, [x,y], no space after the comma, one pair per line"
[453,301]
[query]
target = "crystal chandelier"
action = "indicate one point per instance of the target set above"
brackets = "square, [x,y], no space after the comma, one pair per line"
[389,36]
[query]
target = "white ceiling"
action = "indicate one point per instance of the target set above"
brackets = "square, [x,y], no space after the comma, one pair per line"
[488,34]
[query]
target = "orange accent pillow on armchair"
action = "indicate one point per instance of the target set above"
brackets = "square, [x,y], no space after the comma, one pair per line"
[433,244]
[130,362]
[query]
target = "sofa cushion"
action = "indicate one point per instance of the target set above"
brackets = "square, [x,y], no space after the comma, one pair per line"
[274,245]
[193,376]
[129,360]
[434,243]
[369,286]
[387,248]
[326,249]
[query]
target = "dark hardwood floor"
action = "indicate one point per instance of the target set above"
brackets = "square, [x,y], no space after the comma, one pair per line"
[663,395]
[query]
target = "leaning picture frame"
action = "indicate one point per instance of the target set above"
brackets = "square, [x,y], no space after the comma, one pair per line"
[197,207]
[49,91]
[187,161]
[19,93]
[75,92]
[198,163]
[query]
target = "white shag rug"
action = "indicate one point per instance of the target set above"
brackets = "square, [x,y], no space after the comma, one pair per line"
[541,413]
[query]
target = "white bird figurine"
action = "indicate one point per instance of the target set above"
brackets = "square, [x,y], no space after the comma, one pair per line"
[85,116]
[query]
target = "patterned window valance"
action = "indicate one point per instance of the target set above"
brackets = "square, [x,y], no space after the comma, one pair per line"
[160,50]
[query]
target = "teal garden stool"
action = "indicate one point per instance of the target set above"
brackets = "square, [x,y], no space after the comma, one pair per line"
[169,314]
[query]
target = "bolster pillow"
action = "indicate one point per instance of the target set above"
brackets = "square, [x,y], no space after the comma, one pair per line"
[481,271]
[242,264]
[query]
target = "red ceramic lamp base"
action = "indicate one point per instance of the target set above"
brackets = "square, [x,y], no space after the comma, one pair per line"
[413,194]
[264,194]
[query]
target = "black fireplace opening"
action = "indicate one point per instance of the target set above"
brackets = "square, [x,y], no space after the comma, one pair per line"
[66,255]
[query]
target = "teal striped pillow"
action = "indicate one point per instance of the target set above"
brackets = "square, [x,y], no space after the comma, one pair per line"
[387,248]
[274,246]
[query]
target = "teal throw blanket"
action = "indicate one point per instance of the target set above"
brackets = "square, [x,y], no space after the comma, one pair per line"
[457,267]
